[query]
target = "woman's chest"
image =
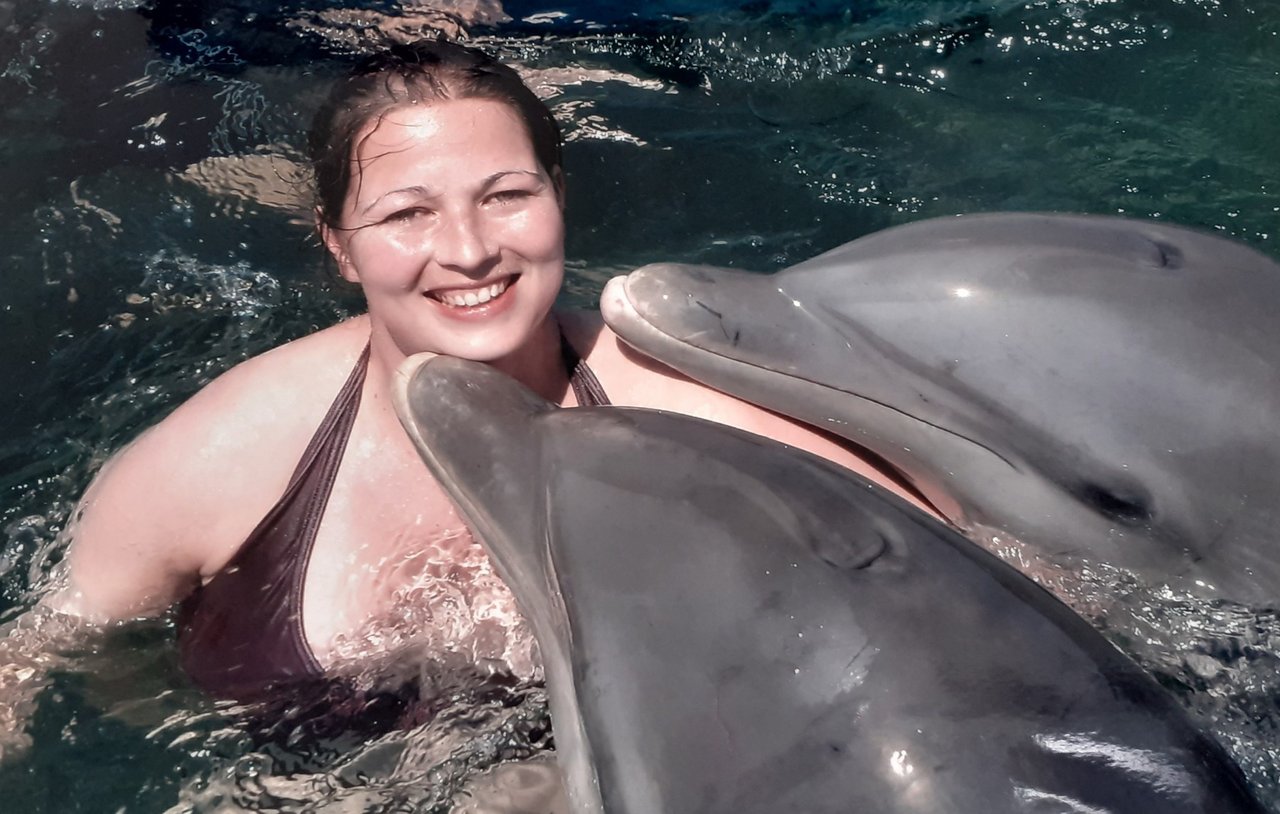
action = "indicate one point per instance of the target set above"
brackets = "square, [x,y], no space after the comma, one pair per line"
[394,568]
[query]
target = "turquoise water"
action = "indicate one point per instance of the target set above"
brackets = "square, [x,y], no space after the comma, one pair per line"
[155,234]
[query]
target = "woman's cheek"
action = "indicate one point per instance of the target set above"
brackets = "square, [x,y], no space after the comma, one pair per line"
[544,236]
[540,216]
[409,244]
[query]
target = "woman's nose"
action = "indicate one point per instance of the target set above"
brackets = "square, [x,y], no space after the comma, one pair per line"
[464,244]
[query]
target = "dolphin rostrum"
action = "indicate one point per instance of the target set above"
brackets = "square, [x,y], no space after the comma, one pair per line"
[731,625]
[1102,390]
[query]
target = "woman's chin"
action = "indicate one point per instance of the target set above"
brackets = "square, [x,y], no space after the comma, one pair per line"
[490,347]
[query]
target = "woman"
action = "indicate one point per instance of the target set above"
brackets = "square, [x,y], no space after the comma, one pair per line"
[296,551]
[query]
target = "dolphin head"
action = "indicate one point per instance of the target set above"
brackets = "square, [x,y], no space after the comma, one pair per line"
[482,451]
[1107,384]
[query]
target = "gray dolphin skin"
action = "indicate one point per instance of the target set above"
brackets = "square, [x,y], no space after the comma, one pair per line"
[731,625]
[1102,390]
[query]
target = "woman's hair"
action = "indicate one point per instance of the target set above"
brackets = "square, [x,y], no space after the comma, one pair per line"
[424,72]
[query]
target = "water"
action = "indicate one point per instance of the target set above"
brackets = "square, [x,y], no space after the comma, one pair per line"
[155,233]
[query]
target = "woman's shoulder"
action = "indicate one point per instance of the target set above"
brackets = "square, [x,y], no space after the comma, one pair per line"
[296,368]
[281,385]
[634,379]
[263,406]
[605,351]
[629,376]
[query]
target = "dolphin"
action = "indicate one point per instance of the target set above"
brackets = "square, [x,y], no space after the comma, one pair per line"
[732,625]
[1101,390]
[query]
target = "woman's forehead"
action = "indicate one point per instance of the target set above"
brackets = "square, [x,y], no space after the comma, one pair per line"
[464,125]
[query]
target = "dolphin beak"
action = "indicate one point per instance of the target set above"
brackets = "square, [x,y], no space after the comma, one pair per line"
[668,300]
[400,399]
[404,373]
[614,304]
[647,292]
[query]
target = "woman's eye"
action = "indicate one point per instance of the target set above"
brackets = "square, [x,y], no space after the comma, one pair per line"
[508,196]
[405,215]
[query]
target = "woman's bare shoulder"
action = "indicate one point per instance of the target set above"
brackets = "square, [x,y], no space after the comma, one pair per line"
[265,387]
[265,407]
[631,378]
[608,355]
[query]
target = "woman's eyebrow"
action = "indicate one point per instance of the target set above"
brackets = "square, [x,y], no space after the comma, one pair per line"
[498,176]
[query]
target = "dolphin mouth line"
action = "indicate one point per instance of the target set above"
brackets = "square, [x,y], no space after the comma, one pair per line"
[627,310]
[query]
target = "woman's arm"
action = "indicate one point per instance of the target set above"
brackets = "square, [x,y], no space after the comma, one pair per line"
[138,537]
[121,561]
[121,564]
[168,509]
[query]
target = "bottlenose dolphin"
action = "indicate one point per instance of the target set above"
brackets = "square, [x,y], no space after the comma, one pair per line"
[731,625]
[1102,389]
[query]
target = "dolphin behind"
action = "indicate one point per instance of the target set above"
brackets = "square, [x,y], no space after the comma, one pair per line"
[1100,389]
[730,625]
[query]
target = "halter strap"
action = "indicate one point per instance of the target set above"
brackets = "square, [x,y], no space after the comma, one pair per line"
[586,387]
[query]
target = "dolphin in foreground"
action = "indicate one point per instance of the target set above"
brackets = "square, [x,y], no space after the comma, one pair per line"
[730,625]
[1101,390]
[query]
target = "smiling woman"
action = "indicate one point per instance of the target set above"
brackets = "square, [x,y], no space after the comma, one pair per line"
[479,214]
[282,506]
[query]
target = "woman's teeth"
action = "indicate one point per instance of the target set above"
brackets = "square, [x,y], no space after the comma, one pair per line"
[476,296]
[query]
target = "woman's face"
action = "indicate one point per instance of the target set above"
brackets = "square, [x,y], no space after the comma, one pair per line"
[453,229]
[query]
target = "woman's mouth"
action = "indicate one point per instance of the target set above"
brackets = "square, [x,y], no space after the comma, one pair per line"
[472,297]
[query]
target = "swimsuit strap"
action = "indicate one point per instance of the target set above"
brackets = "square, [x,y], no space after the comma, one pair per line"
[331,437]
[586,387]
[242,631]
[325,453]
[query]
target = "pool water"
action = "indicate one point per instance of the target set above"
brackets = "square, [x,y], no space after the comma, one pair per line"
[156,232]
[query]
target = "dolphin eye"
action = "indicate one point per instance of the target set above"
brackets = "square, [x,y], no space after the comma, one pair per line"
[1128,507]
[863,543]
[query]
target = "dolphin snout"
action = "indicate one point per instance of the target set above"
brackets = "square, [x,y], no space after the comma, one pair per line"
[680,301]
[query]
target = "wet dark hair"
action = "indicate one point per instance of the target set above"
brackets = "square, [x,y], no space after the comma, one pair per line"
[401,75]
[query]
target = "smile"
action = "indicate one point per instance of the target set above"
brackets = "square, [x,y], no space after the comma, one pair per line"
[470,298]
